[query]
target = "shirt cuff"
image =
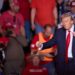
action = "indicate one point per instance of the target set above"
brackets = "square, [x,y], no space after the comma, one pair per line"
[40,48]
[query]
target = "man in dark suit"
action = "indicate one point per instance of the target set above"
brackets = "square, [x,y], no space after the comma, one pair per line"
[65,40]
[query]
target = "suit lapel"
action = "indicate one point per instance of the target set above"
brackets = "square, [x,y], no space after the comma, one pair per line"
[64,38]
[64,42]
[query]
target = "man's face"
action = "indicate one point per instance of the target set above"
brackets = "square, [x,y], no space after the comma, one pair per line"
[35,60]
[73,9]
[67,22]
[47,31]
[14,7]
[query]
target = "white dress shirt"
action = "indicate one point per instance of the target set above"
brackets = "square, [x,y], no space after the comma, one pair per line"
[70,55]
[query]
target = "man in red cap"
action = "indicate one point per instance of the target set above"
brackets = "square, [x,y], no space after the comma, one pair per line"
[14,53]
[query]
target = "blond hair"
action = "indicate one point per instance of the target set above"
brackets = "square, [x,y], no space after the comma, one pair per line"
[66,15]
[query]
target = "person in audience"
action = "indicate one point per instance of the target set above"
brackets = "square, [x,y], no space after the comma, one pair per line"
[72,10]
[25,11]
[13,24]
[43,12]
[47,54]
[61,9]
[3,44]
[34,68]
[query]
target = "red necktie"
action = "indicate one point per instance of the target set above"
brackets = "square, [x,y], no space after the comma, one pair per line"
[67,45]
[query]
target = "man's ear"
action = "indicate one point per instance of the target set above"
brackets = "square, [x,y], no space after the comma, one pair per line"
[72,21]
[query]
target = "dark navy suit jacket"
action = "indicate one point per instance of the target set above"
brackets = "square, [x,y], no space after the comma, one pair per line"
[60,40]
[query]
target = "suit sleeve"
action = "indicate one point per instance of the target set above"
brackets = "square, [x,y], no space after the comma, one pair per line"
[51,42]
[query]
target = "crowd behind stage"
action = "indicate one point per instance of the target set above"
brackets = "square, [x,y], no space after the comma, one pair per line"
[24,24]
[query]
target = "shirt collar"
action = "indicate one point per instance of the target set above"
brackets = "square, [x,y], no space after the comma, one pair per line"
[71,29]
